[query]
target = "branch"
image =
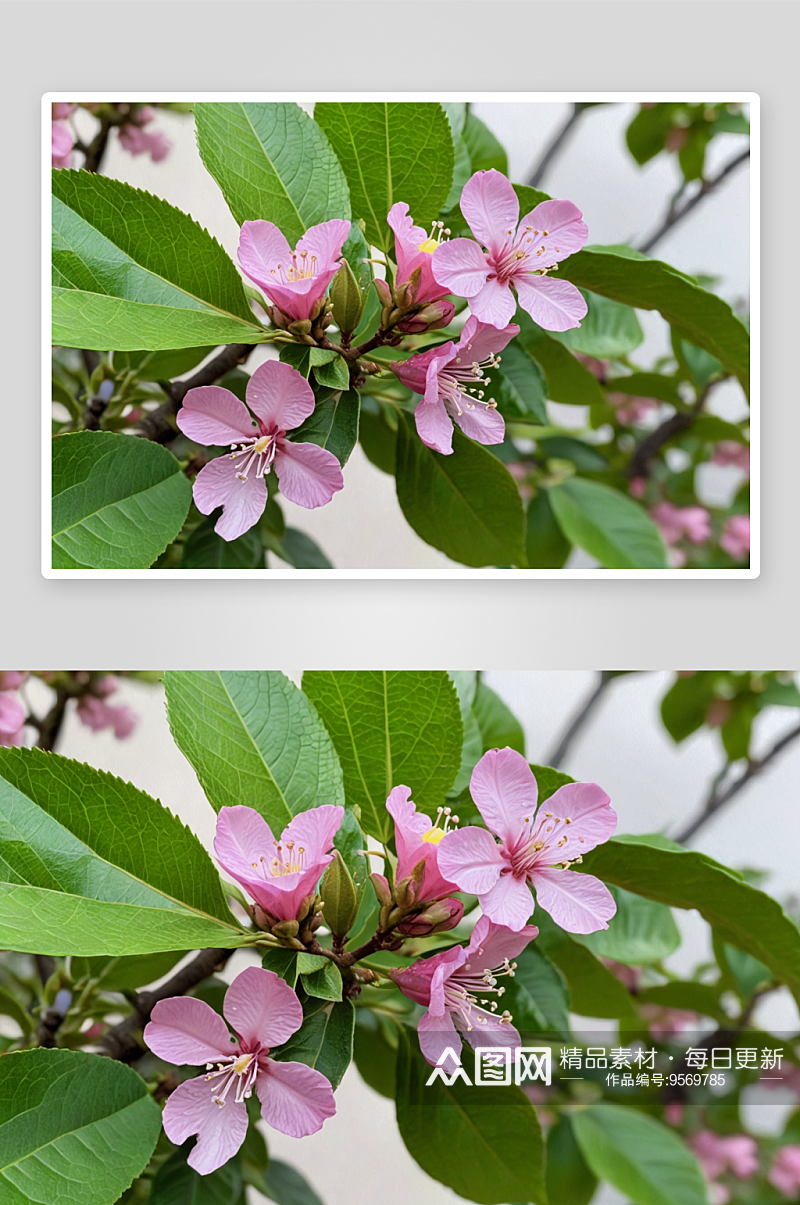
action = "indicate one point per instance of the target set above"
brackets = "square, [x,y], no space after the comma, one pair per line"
[123,1041]
[654,442]
[706,188]
[93,153]
[49,728]
[718,799]
[159,425]
[556,757]
[555,145]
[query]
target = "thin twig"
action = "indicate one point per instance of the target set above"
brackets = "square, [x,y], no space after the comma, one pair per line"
[49,728]
[159,425]
[706,188]
[554,146]
[718,800]
[93,153]
[562,746]
[674,425]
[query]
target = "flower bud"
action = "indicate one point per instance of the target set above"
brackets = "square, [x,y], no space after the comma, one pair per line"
[406,892]
[286,928]
[382,892]
[301,327]
[384,292]
[347,299]
[436,918]
[431,318]
[277,317]
[341,897]
[405,294]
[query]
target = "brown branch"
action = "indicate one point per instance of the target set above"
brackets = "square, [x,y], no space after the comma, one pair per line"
[718,799]
[559,752]
[49,728]
[706,188]
[159,424]
[93,153]
[123,1041]
[652,444]
[552,149]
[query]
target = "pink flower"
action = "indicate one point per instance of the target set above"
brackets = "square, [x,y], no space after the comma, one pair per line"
[62,142]
[638,487]
[295,281]
[279,874]
[12,720]
[451,379]
[730,452]
[264,1012]
[663,1023]
[677,522]
[454,984]
[673,1113]
[414,248]
[138,141]
[518,253]
[630,410]
[97,715]
[785,1171]
[12,679]
[735,538]
[535,847]
[281,399]
[62,109]
[717,1153]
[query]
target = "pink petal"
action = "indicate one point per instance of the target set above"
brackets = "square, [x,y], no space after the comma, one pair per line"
[185,1030]
[588,807]
[483,424]
[449,965]
[435,1035]
[494,303]
[262,1008]
[416,981]
[403,811]
[436,364]
[295,1099]
[261,248]
[326,241]
[62,140]
[280,396]
[401,222]
[12,714]
[479,340]
[505,793]
[509,902]
[566,230]
[242,837]
[490,206]
[492,1034]
[555,305]
[494,943]
[220,1130]
[413,372]
[434,426]
[309,475]
[471,858]
[243,501]
[297,298]
[579,903]
[314,830]
[213,415]
[460,267]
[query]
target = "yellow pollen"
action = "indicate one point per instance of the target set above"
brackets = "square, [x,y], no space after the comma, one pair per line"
[242,1063]
[262,444]
[433,836]
[429,246]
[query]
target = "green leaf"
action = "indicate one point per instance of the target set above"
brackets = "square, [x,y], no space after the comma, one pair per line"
[378,439]
[175,1183]
[324,1040]
[272,162]
[499,727]
[567,379]
[466,504]
[130,271]
[485,1145]
[594,991]
[91,865]
[117,501]
[299,550]
[125,974]
[609,330]
[608,525]
[390,728]
[647,132]
[546,545]
[161,365]
[285,1185]
[330,371]
[642,931]
[70,1118]
[520,387]
[334,423]
[254,739]
[324,983]
[569,1180]
[485,151]
[541,991]
[582,455]
[374,1055]
[398,151]
[462,170]
[283,962]
[702,998]
[649,384]
[639,1156]
[745,917]
[696,315]
[204,549]
[548,781]
[684,706]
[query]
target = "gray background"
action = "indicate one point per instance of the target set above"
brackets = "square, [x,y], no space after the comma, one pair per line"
[550,624]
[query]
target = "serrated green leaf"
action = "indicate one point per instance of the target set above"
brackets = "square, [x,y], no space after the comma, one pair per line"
[608,525]
[253,738]
[117,501]
[390,151]
[91,865]
[390,728]
[272,162]
[466,504]
[67,1117]
[130,272]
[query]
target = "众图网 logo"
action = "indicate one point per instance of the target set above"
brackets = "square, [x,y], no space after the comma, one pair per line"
[495,1066]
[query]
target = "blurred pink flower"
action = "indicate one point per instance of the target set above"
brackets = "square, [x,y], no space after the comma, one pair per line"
[718,1153]
[518,252]
[12,720]
[97,715]
[630,410]
[62,109]
[735,538]
[664,1023]
[730,452]
[62,143]
[532,848]
[264,1012]
[12,679]
[678,522]
[295,281]
[673,1113]
[638,487]
[784,1173]
[138,141]
[598,368]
